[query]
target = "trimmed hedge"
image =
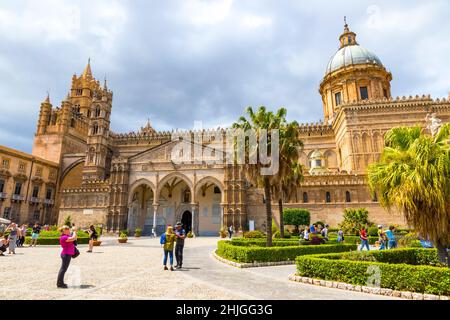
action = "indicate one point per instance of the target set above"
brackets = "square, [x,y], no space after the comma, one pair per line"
[55,241]
[410,275]
[249,254]
[353,239]
[262,242]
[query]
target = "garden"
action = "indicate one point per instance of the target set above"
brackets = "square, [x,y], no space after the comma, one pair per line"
[407,269]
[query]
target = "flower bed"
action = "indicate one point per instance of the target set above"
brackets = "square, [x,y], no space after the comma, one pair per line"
[407,269]
[250,254]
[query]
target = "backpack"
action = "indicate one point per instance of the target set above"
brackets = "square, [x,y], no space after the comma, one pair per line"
[162,240]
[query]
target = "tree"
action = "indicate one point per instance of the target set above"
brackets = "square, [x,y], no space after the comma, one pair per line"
[297,217]
[291,171]
[264,122]
[414,176]
[354,219]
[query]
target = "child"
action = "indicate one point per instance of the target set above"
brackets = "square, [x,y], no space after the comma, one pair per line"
[340,238]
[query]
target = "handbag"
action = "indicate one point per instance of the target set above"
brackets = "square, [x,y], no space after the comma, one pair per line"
[76,253]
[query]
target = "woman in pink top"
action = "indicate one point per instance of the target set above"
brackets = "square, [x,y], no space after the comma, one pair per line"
[68,250]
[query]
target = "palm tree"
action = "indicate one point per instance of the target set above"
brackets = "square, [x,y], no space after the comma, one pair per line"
[288,142]
[414,176]
[289,179]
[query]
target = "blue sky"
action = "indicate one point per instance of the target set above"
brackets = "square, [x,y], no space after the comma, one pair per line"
[177,62]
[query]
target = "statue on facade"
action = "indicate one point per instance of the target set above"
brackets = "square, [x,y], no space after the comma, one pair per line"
[433,123]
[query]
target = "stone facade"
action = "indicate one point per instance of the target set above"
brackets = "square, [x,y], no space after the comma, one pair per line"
[130,180]
[28,186]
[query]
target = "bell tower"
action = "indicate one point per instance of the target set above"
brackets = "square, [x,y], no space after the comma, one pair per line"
[98,155]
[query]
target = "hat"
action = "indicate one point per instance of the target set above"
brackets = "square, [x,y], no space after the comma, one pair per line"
[179,224]
[380,226]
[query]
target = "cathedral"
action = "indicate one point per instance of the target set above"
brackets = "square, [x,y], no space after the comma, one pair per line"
[130,180]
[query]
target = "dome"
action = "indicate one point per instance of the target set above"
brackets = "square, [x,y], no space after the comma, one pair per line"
[351,55]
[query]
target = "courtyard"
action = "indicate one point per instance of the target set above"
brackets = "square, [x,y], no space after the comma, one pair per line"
[134,271]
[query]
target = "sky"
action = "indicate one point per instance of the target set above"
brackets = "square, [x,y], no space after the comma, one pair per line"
[177,62]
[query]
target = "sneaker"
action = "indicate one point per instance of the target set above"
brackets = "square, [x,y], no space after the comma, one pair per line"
[171,268]
[63,286]
[165,268]
[89,251]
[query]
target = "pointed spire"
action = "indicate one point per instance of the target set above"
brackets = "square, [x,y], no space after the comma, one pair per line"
[47,99]
[346,29]
[87,71]
[68,97]
[105,86]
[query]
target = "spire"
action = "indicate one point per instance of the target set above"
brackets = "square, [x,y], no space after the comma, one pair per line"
[346,29]
[148,129]
[105,86]
[87,71]
[47,99]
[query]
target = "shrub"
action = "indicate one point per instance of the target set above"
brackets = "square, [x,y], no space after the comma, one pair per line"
[124,232]
[137,232]
[373,231]
[254,234]
[408,239]
[296,217]
[277,235]
[53,241]
[123,235]
[400,269]
[249,254]
[354,219]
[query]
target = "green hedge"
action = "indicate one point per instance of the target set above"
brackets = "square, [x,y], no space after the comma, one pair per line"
[249,254]
[55,241]
[411,275]
[353,239]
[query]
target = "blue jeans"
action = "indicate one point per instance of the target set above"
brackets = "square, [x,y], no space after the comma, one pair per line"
[364,243]
[170,253]
[382,245]
[392,244]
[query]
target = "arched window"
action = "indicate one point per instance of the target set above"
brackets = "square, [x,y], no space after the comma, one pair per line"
[95,129]
[72,123]
[305,197]
[97,112]
[328,197]
[348,197]
[216,190]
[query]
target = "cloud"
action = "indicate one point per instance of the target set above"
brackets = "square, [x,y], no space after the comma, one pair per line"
[180,61]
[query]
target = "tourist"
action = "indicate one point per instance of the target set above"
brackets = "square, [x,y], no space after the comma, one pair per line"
[35,234]
[306,234]
[230,231]
[392,242]
[3,244]
[19,236]
[168,240]
[68,250]
[364,239]
[179,246]
[324,232]
[93,236]
[12,238]
[381,237]
[24,234]
[340,238]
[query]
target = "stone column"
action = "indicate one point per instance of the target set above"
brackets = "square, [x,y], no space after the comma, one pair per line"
[194,224]
[222,214]
[155,210]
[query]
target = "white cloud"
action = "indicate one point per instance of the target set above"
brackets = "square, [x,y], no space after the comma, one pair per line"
[201,12]
[253,21]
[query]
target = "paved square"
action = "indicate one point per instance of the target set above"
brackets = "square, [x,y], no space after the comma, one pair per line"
[134,271]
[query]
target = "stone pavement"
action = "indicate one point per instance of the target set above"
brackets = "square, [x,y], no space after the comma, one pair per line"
[134,271]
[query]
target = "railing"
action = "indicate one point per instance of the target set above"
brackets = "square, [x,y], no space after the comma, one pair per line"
[49,201]
[35,200]
[17,197]
[3,196]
